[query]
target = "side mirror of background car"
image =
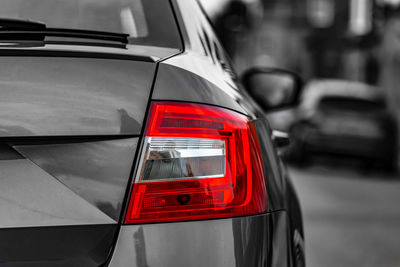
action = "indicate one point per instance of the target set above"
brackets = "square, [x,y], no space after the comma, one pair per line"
[273,89]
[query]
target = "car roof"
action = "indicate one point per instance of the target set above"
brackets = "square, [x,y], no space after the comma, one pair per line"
[318,89]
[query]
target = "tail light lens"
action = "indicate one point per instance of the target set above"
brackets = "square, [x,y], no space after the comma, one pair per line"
[198,162]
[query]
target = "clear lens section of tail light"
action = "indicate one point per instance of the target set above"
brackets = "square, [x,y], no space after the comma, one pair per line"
[182,158]
[198,162]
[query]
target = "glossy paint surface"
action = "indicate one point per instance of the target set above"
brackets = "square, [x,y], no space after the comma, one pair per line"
[246,241]
[92,50]
[60,203]
[88,170]
[43,96]
[60,246]
[178,83]
[30,197]
[275,180]
[202,75]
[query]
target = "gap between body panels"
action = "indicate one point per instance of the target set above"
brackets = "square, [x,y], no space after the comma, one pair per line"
[7,144]
[135,163]
[134,168]
[28,52]
[59,139]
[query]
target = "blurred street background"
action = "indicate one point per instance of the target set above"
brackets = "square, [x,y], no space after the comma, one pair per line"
[350,219]
[344,152]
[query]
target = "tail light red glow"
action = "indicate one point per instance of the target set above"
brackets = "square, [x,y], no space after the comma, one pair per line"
[198,162]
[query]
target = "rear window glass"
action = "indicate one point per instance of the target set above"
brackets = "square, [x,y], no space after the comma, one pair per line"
[148,22]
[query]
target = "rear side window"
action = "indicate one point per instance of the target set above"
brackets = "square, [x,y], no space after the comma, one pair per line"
[148,22]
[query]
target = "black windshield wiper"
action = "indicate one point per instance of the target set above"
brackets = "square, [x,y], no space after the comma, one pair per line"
[15,29]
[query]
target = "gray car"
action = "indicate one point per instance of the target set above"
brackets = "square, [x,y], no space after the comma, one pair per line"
[126,139]
[345,119]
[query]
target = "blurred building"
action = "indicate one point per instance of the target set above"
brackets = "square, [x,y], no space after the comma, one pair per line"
[233,20]
[317,38]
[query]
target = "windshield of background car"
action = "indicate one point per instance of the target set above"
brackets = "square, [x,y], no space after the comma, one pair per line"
[148,22]
[349,105]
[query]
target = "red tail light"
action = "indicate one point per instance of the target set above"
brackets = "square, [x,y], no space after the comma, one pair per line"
[198,162]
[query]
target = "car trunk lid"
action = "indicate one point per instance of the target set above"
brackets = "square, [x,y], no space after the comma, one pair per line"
[69,129]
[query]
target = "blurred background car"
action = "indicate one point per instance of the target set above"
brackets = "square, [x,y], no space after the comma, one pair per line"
[344,118]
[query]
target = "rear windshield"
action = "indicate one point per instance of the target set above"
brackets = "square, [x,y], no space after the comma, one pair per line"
[339,104]
[148,22]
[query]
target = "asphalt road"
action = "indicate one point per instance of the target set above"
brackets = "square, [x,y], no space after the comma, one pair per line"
[350,219]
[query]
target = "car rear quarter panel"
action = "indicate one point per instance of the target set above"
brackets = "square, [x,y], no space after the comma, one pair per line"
[184,78]
[244,241]
[263,240]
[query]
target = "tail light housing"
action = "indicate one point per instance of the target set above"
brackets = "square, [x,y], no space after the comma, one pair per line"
[197,162]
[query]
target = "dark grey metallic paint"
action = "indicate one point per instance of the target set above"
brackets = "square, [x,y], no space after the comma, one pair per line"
[176,82]
[60,203]
[87,169]
[49,96]
[265,240]
[58,246]
[248,241]
[72,191]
